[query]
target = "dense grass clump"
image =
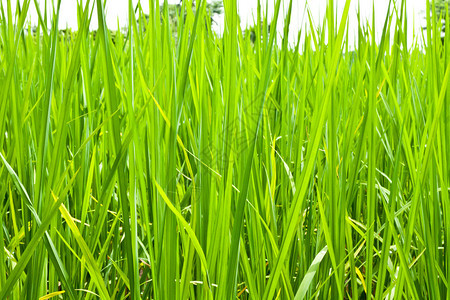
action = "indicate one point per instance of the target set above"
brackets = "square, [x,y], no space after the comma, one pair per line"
[223,167]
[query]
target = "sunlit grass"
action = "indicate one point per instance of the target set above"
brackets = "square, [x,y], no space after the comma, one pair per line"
[220,167]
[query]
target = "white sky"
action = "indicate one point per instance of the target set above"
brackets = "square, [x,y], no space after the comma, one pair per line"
[117,12]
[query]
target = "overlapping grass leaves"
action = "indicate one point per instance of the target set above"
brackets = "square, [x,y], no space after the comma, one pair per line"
[214,166]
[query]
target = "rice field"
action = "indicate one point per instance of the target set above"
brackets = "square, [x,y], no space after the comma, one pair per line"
[199,166]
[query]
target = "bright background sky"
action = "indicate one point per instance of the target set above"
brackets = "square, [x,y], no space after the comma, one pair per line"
[117,12]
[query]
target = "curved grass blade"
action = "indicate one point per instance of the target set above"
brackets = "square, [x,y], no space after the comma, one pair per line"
[309,276]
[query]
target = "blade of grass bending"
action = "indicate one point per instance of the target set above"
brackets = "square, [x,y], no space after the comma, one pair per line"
[106,244]
[191,235]
[51,295]
[122,275]
[309,276]
[328,239]
[91,264]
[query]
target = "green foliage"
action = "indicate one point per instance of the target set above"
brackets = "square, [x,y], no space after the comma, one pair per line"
[441,7]
[213,9]
[193,166]
[438,10]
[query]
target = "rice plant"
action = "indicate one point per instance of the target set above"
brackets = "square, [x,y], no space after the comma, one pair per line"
[204,166]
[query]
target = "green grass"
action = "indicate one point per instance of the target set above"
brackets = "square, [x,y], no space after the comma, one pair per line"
[217,168]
